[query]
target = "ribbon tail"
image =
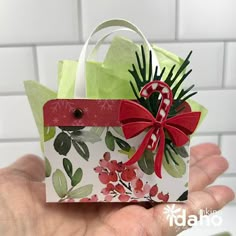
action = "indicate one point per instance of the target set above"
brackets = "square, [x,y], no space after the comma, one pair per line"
[160,153]
[138,154]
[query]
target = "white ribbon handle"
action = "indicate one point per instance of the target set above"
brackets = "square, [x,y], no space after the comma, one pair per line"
[80,89]
[93,54]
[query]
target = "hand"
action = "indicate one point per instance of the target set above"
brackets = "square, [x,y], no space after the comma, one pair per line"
[23,210]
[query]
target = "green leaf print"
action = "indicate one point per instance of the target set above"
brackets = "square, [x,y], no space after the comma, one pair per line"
[76,178]
[110,141]
[82,149]
[62,143]
[81,192]
[59,183]
[146,163]
[68,167]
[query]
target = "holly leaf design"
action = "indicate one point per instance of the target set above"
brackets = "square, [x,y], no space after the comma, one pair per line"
[76,178]
[49,133]
[129,153]
[85,136]
[146,162]
[62,143]
[81,148]
[59,183]
[48,168]
[68,167]
[122,144]
[81,192]
[174,164]
[110,141]
[182,151]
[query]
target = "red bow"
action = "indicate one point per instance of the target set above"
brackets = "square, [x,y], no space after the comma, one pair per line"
[135,119]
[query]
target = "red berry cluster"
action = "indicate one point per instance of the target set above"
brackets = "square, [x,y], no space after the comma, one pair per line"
[123,181]
[154,193]
[117,177]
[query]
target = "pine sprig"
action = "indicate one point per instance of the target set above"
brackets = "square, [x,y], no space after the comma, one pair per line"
[143,74]
[174,80]
[143,78]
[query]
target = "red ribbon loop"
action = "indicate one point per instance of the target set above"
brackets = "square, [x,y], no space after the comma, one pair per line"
[136,119]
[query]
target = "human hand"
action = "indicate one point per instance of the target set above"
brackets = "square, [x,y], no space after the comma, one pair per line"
[23,210]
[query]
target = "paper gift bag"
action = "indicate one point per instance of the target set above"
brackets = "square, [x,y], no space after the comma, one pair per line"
[124,145]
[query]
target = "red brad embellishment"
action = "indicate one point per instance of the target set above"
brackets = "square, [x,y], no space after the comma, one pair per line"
[78,113]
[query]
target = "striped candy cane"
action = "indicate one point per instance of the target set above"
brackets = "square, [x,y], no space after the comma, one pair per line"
[164,108]
[135,119]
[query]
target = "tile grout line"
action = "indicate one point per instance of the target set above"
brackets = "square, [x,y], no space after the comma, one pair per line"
[164,41]
[224,66]
[176,19]
[3,94]
[19,140]
[79,21]
[229,175]
[36,68]
[209,133]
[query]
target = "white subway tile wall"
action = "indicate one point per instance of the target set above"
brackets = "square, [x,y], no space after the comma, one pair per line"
[155,18]
[211,20]
[32,22]
[230,70]
[17,65]
[34,36]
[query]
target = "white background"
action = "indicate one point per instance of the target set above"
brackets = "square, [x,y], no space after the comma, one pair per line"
[34,35]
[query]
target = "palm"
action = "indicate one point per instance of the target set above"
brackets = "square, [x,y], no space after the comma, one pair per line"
[24,212]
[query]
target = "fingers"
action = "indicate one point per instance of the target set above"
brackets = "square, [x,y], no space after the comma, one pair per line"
[203,150]
[205,171]
[215,198]
[204,202]
[28,166]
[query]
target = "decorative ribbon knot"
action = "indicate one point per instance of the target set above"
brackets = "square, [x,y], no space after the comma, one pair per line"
[136,119]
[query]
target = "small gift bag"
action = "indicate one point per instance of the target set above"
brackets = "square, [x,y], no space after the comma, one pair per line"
[117,131]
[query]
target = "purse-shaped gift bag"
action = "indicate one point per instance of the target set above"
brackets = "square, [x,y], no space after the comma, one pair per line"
[121,150]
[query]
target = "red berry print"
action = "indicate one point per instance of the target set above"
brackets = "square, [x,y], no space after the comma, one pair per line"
[98,169]
[146,188]
[163,197]
[103,163]
[111,166]
[108,198]
[128,175]
[105,191]
[107,156]
[113,176]
[122,182]
[110,187]
[120,167]
[94,198]
[153,191]
[120,188]
[124,198]
[104,178]
[139,184]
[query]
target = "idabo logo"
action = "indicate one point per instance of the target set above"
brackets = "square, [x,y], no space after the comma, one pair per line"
[178,217]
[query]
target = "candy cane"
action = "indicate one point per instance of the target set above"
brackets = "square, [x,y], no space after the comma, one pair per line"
[164,108]
[135,119]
